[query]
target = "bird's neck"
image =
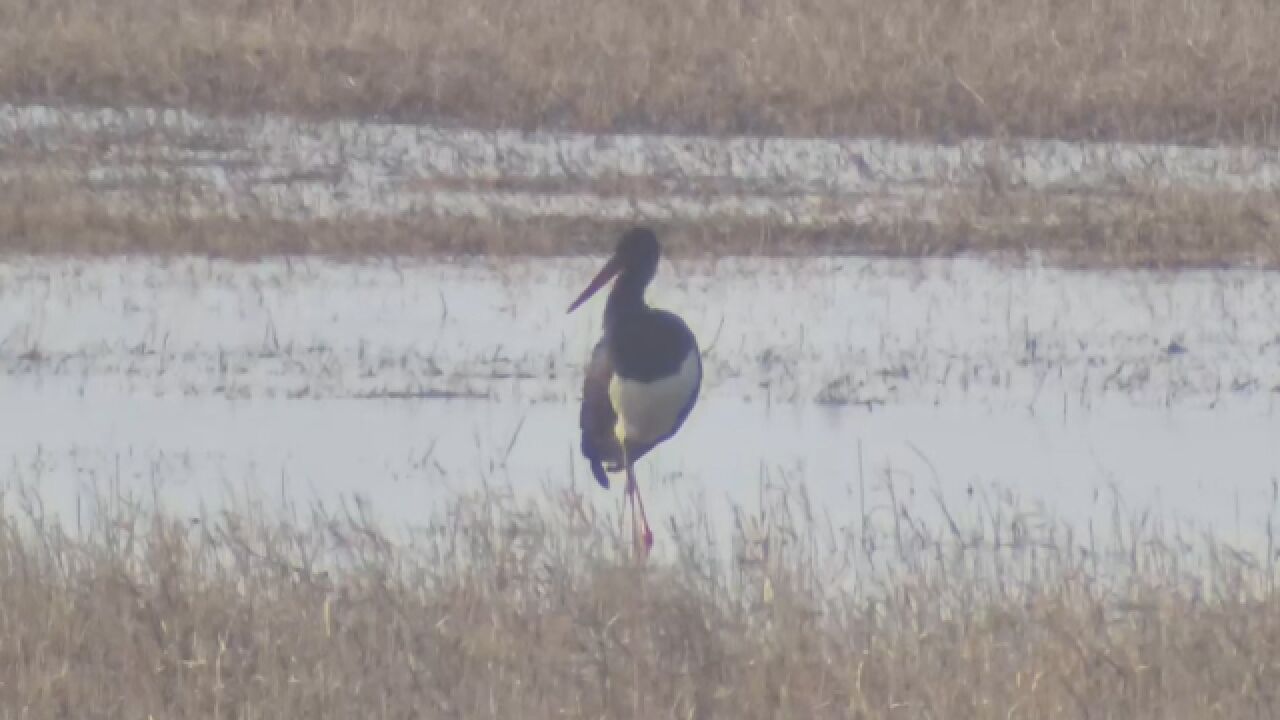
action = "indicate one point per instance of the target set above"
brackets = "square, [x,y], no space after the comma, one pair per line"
[626,298]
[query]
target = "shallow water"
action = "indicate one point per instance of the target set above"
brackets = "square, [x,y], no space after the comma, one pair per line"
[404,381]
[294,169]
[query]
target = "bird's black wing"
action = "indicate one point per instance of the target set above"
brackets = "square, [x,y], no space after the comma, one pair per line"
[598,418]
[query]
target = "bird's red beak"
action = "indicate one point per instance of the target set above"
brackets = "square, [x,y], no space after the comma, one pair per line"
[601,279]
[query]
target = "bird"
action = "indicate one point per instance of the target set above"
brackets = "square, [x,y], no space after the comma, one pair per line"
[644,374]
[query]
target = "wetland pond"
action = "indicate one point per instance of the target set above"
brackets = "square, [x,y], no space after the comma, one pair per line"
[871,383]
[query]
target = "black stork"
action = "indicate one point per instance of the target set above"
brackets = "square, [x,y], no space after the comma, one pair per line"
[644,374]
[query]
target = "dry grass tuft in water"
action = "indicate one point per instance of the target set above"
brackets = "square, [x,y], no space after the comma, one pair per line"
[501,609]
[1115,69]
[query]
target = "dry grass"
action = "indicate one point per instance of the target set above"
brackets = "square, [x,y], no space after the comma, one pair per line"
[1121,69]
[1114,69]
[1155,229]
[503,609]
[105,189]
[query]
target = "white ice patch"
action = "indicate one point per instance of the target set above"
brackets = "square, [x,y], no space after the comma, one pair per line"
[649,410]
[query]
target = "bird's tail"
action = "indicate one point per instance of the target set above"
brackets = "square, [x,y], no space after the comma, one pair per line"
[592,453]
[597,469]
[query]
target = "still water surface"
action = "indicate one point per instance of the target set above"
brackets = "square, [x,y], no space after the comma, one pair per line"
[406,382]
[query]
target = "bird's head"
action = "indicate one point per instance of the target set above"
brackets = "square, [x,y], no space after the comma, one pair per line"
[634,259]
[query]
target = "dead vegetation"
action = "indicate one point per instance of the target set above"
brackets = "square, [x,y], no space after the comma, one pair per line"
[1152,229]
[501,608]
[1120,69]
[1136,70]
[170,183]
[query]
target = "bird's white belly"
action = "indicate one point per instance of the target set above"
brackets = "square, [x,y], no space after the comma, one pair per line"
[649,410]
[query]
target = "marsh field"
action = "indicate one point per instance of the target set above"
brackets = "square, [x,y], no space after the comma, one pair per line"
[985,292]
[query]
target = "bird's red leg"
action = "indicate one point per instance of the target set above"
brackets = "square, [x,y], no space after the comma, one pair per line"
[634,491]
[631,505]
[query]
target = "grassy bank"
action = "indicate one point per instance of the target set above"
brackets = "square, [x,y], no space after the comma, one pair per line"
[1156,229]
[497,608]
[1117,69]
